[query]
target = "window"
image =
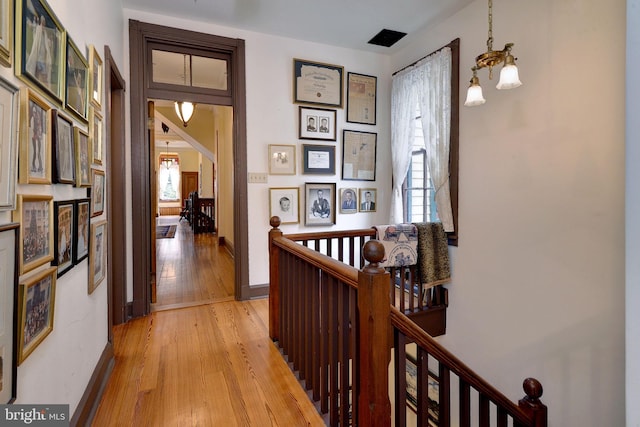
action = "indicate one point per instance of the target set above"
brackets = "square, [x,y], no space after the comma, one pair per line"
[169,178]
[418,195]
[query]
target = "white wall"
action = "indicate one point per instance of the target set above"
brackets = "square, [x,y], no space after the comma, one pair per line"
[538,277]
[59,369]
[632,214]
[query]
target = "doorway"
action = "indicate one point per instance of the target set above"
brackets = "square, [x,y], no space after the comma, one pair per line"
[144,38]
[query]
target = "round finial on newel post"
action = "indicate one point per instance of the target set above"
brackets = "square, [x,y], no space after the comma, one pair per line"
[275,221]
[532,388]
[373,252]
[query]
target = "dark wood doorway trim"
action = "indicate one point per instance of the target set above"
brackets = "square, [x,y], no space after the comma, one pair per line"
[140,35]
[116,210]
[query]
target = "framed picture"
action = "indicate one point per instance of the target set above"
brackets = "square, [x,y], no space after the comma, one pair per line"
[9,103]
[35,215]
[40,48]
[95,135]
[285,203]
[319,159]
[317,123]
[64,235]
[8,304]
[6,35]
[95,77]
[35,139]
[77,82]
[359,155]
[81,226]
[316,83]
[320,203]
[36,304]
[63,149]
[98,256]
[282,159]
[348,201]
[361,98]
[368,199]
[83,161]
[97,192]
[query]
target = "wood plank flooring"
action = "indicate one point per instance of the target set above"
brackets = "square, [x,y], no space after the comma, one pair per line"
[207,364]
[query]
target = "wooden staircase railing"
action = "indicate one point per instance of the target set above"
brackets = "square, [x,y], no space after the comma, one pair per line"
[337,328]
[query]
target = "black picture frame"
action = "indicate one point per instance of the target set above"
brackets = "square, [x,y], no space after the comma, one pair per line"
[63,149]
[44,74]
[323,213]
[323,126]
[361,98]
[82,227]
[359,155]
[316,83]
[318,159]
[64,235]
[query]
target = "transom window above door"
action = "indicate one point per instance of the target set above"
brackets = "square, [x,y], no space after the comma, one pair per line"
[184,69]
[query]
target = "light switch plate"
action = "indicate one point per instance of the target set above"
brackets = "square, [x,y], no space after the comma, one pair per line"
[257,178]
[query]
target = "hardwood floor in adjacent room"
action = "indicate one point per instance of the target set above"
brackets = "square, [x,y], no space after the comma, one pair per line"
[191,268]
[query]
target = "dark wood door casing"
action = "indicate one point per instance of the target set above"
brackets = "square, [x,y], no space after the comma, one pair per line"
[140,35]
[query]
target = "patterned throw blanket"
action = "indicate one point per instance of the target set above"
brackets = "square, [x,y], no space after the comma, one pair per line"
[433,254]
[400,243]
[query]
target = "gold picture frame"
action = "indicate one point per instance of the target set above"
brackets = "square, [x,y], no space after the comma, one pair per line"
[36,304]
[95,135]
[35,215]
[95,77]
[97,255]
[76,98]
[282,159]
[35,138]
[83,161]
[98,188]
[6,32]
[9,111]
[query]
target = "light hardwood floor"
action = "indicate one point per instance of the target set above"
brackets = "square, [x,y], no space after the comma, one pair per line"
[204,365]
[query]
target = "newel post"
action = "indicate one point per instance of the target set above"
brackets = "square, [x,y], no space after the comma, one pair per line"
[274,285]
[374,408]
[531,403]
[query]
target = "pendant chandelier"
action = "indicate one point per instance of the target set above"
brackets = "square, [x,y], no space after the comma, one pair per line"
[167,161]
[185,110]
[509,78]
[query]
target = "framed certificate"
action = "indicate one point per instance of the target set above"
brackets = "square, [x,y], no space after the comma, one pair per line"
[317,83]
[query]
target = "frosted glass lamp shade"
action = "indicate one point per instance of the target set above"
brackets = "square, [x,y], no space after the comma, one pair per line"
[184,110]
[474,96]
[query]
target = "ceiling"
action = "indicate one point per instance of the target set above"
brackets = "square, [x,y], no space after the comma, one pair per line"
[345,23]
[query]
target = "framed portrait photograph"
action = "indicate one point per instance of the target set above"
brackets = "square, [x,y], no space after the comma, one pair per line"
[8,300]
[282,159]
[95,136]
[36,303]
[317,123]
[83,158]
[64,235]
[95,77]
[9,111]
[319,159]
[320,203]
[361,98]
[81,226]
[367,199]
[97,192]
[317,83]
[63,149]
[35,215]
[285,203]
[76,82]
[40,48]
[6,35]
[35,139]
[348,201]
[359,155]
[98,255]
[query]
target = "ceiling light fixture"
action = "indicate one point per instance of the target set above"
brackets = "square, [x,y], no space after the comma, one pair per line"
[167,161]
[508,75]
[185,110]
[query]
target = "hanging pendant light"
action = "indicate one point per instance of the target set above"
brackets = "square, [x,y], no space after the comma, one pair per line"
[185,110]
[167,161]
[509,78]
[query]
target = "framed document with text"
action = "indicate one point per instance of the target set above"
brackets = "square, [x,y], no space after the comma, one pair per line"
[317,83]
[361,99]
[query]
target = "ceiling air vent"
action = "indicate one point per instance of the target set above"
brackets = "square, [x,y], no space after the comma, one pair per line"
[387,38]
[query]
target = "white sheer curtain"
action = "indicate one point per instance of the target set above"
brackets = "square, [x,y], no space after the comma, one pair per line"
[435,110]
[428,84]
[403,102]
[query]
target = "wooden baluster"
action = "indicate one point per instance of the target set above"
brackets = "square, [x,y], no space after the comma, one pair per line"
[274,305]
[531,403]
[375,347]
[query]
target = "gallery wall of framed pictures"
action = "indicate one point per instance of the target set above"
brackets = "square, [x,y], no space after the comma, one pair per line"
[325,98]
[52,137]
